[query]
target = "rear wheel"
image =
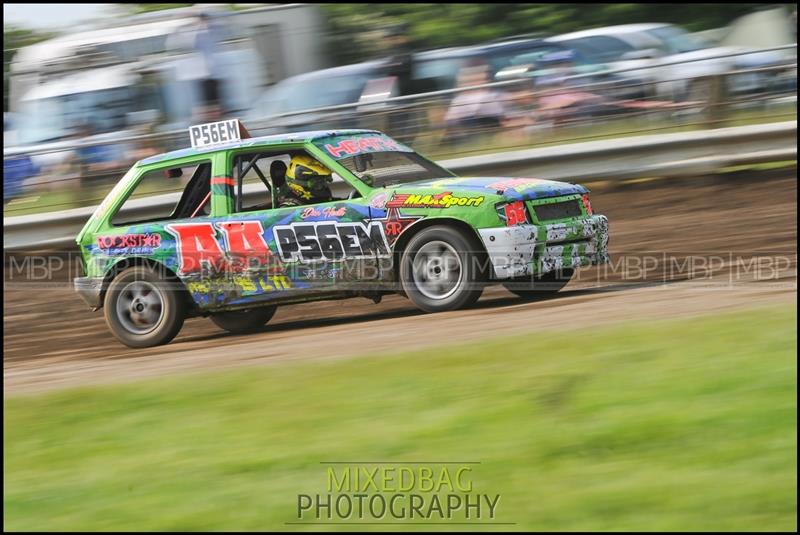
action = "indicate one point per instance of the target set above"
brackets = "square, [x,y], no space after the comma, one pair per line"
[144,309]
[541,285]
[440,270]
[244,321]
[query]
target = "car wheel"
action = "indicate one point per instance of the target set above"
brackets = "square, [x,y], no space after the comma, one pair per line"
[143,309]
[244,321]
[440,270]
[540,285]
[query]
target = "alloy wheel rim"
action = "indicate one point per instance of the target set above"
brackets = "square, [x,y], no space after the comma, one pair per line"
[140,307]
[437,270]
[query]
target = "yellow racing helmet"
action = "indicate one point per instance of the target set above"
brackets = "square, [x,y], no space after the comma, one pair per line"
[307,178]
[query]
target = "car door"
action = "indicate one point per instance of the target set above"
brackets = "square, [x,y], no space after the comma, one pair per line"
[331,246]
[287,253]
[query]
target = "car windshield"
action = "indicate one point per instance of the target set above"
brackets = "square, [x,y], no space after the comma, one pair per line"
[380,169]
[677,40]
[293,95]
[501,58]
[444,71]
[598,48]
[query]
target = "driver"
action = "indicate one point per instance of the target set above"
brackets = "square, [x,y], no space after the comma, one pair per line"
[307,182]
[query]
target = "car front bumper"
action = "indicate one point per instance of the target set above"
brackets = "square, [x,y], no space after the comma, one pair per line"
[525,250]
[89,289]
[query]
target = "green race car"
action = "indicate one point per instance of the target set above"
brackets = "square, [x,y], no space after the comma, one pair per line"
[229,249]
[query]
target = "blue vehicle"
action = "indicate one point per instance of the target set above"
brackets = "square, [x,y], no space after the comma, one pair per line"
[16,169]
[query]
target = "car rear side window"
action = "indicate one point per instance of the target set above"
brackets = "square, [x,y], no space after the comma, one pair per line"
[187,187]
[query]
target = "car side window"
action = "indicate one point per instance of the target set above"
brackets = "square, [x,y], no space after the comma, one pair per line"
[254,184]
[192,180]
[264,181]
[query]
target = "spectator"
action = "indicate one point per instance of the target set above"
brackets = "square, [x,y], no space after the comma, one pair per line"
[560,101]
[476,110]
[201,67]
[400,64]
[404,122]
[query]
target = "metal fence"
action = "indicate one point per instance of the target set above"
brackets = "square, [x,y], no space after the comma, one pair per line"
[657,155]
[527,111]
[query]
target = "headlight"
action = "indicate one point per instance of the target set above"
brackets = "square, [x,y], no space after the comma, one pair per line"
[513,213]
[587,204]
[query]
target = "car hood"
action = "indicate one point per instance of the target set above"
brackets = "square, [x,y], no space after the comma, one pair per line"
[508,187]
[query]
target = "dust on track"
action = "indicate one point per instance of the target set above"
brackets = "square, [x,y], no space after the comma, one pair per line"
[52,340]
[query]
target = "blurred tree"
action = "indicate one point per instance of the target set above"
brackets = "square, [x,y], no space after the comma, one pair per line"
[15,37]
[147,8]
[355,27]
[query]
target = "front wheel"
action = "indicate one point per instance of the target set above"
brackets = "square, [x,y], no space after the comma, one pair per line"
[244,321]
[143,309]
[440,270]
[540,285]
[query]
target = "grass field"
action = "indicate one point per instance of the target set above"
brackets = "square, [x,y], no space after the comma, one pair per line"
[678,425]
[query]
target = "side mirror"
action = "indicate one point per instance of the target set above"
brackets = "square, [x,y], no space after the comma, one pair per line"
[175,172]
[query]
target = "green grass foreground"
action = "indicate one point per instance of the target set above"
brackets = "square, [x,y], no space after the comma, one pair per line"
[678,425]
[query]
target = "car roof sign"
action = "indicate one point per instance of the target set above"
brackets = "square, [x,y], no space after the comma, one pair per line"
[218,133]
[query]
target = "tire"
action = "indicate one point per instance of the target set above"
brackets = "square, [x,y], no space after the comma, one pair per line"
[540,286]
[244,321]
[143,309]
[440,270]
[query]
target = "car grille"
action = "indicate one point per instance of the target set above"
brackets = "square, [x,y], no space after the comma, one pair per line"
[557,210]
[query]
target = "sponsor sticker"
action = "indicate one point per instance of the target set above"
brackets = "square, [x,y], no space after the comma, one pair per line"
[328,211]
[378,201]
[197,244]
[439,200]
[342,147]
[129,243]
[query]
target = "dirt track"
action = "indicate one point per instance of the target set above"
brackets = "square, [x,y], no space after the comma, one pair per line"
[52,340]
